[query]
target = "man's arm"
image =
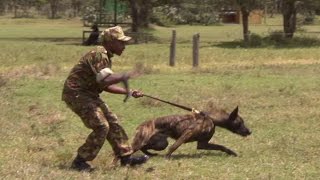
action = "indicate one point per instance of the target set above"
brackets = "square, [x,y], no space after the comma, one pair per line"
[115,89]
[111,79]
[108,81]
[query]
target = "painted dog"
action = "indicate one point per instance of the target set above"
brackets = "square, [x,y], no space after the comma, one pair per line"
[153,134]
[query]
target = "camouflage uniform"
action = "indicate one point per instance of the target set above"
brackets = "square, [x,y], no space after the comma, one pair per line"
[81,94]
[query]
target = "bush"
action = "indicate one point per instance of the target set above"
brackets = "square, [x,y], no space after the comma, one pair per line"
[276,37]
[255,40]
[163,16]
[166,16]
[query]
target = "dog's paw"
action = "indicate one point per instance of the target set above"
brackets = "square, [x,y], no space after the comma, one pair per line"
[168,156]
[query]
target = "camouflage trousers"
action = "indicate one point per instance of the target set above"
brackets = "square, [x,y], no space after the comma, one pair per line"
[96,115]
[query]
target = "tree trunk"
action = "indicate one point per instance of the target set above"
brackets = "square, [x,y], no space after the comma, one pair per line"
[76,5]
[278,5]
[2,8]
[245,23]
[15,8]
[140,13]
[144,14]
[289,18]
[135,15]
[54,8]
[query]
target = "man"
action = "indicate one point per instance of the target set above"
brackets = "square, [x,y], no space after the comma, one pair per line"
[94,36]
[91,76]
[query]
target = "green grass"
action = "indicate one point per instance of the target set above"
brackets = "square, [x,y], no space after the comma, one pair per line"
[277,90]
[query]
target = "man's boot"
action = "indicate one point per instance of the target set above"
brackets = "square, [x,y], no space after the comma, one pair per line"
[80,164]
[132,161]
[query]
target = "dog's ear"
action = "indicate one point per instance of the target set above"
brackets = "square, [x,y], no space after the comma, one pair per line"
[234,114]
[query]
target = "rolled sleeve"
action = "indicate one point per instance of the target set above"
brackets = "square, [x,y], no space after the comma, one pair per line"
[103,74]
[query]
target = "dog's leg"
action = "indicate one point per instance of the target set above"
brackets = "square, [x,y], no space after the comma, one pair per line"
[144,142]
[210,146]
[145,151]
[157,142]
[183,138]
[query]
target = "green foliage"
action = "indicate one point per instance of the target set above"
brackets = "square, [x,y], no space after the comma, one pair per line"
[277,38]
[186,12]
[163,16]
[250,4]
[255,40]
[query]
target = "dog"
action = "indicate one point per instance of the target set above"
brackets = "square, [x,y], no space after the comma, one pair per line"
[199,127]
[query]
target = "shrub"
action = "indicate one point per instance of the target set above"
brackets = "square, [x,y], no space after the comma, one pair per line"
[277,36]
[255,40]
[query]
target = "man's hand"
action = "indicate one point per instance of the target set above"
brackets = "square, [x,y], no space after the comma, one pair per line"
[136,93]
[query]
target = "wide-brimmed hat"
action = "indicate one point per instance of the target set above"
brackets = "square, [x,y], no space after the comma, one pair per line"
[116,33]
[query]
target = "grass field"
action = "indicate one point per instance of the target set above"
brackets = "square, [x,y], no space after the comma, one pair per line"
[276,89]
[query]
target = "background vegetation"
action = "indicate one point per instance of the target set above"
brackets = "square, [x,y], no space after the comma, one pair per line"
[275,86]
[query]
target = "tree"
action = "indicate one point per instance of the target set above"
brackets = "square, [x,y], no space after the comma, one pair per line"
[22,5]
[289,13]
[188,11]
[134,15]
[272,7]
[54,8]
[245,12]
[246,6]
[145,10]
[76,7]
[3,6]
[140,12]
[290,8]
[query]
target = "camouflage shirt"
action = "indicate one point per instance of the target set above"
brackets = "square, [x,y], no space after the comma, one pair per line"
[82,78]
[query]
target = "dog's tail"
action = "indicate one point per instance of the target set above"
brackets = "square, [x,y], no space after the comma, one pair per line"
[143,133]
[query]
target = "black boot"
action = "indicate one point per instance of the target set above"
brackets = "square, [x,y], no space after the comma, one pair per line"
[132,161]
[80,164]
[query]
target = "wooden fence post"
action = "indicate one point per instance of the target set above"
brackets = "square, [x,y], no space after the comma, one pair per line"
[195,52]
[173,49]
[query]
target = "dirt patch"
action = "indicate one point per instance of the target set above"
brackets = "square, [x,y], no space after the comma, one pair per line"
[47,118]
[291,62]
[151,103]
[3,80]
